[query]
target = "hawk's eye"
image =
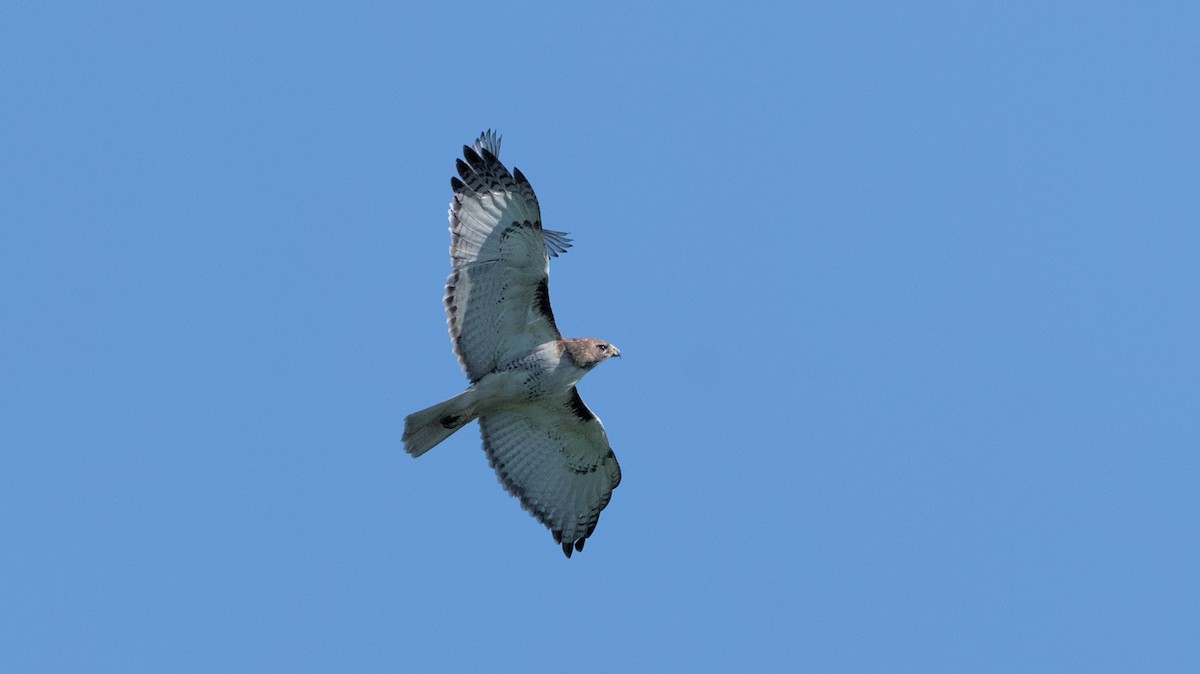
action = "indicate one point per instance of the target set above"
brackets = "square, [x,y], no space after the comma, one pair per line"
[602,347]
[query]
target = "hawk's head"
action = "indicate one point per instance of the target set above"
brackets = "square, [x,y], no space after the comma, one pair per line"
[590,352]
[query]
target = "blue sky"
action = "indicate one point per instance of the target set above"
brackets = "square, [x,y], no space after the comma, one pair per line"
[906,293]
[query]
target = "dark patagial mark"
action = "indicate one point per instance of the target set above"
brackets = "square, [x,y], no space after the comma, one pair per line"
[578,408]
[451,421]
[542,297]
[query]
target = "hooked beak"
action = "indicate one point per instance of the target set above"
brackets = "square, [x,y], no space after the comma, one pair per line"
[616,352]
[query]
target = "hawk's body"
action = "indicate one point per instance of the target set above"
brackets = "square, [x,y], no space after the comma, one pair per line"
[547,447]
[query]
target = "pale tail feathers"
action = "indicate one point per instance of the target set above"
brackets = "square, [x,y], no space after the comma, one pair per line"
[424,430]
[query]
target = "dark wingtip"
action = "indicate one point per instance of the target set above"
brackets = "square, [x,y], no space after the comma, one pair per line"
[567,549]
[579,545]
[456,184]
[474,159]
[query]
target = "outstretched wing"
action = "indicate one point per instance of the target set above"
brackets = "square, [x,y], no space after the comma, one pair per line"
[554,456]
[498,297]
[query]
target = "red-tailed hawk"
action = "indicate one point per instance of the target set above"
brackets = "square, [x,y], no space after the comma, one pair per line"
[546,446]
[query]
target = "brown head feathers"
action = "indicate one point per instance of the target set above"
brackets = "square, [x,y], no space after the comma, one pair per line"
[588,352]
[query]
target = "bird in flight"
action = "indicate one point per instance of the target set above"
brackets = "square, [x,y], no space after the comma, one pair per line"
[547,448]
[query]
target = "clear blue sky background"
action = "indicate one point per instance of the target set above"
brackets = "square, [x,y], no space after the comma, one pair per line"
[907,293]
